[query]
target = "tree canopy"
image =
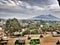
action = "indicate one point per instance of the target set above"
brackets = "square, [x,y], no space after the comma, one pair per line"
[12,25]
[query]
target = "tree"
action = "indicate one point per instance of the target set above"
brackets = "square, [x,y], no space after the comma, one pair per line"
[34,31]
[12,25]
[26,32]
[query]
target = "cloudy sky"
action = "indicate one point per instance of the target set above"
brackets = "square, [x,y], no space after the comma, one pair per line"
[23,9]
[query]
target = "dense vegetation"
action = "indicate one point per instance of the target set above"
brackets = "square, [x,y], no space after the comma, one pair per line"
[31,26]
[12,25]
[34,27]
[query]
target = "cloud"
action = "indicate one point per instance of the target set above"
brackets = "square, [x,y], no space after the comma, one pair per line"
[9,2]
[27,8]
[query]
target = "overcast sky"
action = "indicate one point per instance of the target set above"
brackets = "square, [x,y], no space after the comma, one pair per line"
[23,9]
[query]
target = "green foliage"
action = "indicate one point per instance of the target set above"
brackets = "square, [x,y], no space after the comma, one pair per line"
[33,26]
[26,32]
[34,32]
[12,25]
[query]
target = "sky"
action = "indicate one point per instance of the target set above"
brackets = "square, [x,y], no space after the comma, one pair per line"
[24,9]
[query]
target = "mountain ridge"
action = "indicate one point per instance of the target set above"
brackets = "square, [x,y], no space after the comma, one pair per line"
[47,17]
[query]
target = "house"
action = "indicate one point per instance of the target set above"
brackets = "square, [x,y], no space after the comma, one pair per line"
[56,33]
[1,32]
[2,22]
[17,34]
[20,42]
[3,41]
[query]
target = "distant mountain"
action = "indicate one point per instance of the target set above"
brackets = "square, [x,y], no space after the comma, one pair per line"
[1,19]
[48,17]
